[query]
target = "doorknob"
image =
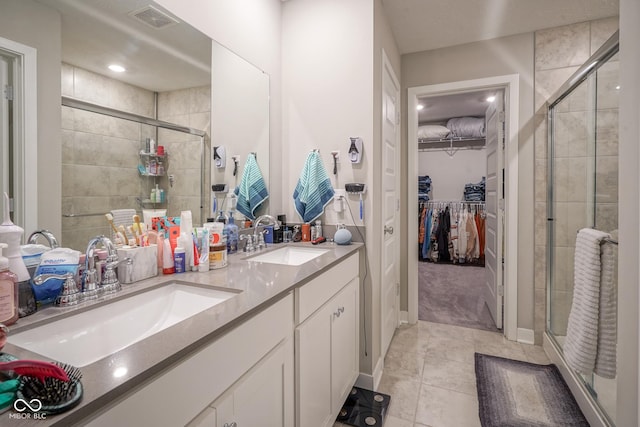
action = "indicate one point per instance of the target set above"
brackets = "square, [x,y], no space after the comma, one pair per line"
[388,229]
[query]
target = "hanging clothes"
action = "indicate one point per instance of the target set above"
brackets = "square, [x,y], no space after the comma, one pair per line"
[452,232]
[442,235]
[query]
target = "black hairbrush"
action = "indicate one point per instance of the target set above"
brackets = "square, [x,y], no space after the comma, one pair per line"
[55,395]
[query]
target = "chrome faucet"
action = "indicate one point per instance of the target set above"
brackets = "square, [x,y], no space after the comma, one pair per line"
[51,239]
[258,239]
[110,282]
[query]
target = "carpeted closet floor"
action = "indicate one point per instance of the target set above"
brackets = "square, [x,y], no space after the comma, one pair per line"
[452,294]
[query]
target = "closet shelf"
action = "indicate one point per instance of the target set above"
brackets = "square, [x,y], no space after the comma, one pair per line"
[450,145]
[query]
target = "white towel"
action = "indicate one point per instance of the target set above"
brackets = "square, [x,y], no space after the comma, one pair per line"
[607,324]
[581,345]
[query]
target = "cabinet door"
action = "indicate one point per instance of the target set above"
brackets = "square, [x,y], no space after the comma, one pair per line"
[313,369]
[344,344]
[263,396]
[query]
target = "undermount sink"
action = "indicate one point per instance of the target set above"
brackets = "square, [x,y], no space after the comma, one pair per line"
[289,255]
[91,335]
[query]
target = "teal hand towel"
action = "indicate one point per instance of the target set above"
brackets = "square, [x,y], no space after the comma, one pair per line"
[252,191]
[313,191]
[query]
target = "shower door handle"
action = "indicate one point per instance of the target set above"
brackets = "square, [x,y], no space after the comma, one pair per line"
[388,229]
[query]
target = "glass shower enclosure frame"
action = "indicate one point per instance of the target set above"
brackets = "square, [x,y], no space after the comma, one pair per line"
[582,191]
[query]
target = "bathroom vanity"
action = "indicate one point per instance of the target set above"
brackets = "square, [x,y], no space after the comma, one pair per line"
[281,349]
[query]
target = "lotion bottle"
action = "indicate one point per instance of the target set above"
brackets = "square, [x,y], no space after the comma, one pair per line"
[8,291]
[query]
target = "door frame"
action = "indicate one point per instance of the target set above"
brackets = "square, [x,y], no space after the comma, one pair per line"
[510,84]
[388,68]
[25,124]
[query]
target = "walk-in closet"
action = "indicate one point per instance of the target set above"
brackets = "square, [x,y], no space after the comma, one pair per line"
[452,211]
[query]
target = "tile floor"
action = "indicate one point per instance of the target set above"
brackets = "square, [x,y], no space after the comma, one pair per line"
[429,373]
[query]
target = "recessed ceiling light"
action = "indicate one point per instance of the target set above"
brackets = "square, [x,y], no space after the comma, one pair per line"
[618,87]
[491,98]
[419,107]
[117,68]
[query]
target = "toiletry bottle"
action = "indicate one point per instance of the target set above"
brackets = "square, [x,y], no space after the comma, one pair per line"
[101,264]
[179,256]
[8,291]
[11,234]
[152,146]
[306,232]
[167,258]
[232,235]
[313,232]
[318,228]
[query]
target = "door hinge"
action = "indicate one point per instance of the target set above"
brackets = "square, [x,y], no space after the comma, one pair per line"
[397,289]
[8,92]
[501,290]
[501,116]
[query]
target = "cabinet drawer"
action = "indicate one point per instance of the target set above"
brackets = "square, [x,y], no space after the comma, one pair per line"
[194,383]
[314,294]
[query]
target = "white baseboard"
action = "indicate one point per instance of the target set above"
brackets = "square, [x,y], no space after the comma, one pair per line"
[525,336]
[404,317]
[371,382]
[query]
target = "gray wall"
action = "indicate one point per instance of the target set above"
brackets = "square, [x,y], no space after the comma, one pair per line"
[31,24]
[502,56]
[629,202]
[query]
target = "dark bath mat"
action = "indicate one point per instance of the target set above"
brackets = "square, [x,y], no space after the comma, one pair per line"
[364,408]
[521,394]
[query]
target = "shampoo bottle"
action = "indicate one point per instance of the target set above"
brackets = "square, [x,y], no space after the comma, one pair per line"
[8,291]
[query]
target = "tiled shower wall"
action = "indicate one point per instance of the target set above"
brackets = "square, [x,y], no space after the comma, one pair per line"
[100,153]
[558,54]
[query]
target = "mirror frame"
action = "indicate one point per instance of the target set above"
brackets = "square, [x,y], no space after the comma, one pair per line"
[25,134]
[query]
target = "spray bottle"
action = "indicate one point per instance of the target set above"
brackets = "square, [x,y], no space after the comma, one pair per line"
[11,234]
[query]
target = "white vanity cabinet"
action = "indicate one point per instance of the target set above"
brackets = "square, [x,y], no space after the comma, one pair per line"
[262,397]
[242,370]
[327,342]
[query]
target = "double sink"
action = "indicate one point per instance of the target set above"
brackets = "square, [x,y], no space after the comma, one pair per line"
[88,336]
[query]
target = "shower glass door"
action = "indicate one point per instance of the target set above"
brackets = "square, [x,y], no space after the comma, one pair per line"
[582,192]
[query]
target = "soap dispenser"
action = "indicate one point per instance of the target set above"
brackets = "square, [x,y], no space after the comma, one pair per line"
[8,291]
[11,234]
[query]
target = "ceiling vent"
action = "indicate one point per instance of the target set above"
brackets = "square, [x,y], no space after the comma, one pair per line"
[153,17]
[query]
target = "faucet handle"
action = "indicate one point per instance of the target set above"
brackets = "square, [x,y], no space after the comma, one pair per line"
[69,295]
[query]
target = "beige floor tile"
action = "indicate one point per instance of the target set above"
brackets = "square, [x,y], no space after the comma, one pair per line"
[487,336]
[505,348]
[449,331]
[439,407]
[410,339]
[407,364]
[449,374]
[535,354]
[404,396]
[451,348]
[391,421]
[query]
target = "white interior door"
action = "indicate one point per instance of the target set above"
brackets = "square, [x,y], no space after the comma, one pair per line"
[390,292]
[4,126]
[494,197]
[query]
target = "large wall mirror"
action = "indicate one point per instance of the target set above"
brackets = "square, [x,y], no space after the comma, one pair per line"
[168,77]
